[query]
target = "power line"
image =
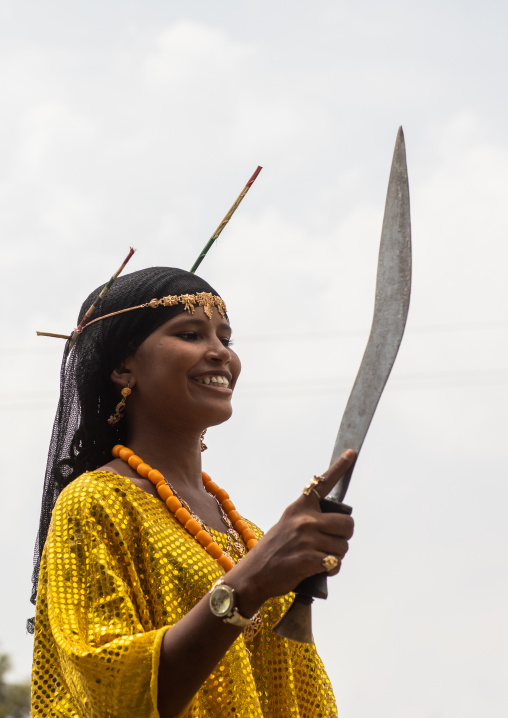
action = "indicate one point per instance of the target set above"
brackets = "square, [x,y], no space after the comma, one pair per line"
[37,400]
[14,351]
[292,336]
[346,333]
[427,380]
[57,350]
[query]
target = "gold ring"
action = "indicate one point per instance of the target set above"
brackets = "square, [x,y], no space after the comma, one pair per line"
[308,488]
[330,562]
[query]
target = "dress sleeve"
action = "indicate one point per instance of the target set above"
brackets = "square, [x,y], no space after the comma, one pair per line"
[108,657]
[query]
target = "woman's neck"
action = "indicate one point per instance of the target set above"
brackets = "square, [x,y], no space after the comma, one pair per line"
[177,455]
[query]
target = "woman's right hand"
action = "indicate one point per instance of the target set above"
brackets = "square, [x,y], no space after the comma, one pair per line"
[294,548]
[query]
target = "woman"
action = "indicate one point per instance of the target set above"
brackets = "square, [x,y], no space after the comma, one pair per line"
[129,621]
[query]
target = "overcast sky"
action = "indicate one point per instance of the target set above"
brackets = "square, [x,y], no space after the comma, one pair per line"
[138,123]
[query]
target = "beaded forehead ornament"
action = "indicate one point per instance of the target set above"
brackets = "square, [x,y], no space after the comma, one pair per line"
[190,301]
[207,300]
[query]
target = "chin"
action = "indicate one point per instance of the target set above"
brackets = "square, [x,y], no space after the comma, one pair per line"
[216,417]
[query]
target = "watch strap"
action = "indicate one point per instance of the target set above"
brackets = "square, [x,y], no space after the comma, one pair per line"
[234,617]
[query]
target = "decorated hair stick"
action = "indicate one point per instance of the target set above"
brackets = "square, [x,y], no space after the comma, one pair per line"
[88,314]
[52,334]
[226,219]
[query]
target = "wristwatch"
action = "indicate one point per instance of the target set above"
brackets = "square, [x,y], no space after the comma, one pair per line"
[223,604]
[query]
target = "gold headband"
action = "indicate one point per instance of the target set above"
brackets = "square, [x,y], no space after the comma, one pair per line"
[190,301]
[201,299]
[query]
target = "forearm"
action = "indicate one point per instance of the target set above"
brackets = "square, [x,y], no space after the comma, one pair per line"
[195,644]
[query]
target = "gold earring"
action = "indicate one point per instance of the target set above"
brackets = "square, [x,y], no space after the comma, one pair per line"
[202,444]
[120,407]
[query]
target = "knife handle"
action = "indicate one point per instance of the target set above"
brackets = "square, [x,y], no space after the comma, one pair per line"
[316,586]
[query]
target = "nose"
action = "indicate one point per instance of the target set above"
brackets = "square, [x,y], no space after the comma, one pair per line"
[217,352]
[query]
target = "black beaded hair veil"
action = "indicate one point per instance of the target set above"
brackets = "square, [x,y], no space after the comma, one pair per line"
[82,438]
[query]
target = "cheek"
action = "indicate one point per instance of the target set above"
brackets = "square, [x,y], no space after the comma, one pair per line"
[159,369]
[236,364]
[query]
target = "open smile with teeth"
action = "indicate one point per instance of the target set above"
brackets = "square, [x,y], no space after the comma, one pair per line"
[213,380]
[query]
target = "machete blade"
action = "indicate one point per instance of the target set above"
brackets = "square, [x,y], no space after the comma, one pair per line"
[393,287]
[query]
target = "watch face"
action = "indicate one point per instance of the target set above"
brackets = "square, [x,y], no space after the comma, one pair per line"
[221,600]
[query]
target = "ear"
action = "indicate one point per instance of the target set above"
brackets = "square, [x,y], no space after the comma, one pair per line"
[122,377]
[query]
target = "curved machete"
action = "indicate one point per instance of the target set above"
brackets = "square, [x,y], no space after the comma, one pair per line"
[393,287]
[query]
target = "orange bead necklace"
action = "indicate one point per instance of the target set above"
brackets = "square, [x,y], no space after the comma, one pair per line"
[183,515]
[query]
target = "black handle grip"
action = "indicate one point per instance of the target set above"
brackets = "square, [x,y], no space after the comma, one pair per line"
[316,586]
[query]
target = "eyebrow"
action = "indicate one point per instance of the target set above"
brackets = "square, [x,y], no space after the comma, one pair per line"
[189,321]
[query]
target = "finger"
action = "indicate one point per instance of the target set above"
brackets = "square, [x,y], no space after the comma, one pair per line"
[320,486]
[335,570]
[340,525]
[330,563]
[336,472]
[337,547]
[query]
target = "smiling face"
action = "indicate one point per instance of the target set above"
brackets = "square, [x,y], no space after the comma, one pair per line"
[183,375]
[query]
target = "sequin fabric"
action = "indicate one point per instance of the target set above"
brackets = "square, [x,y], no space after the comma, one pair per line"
[118,570]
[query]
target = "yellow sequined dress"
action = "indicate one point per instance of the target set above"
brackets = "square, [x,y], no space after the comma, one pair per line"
[118,570]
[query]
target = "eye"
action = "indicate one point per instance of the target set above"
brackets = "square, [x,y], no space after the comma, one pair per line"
[227,342]
[188,336]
